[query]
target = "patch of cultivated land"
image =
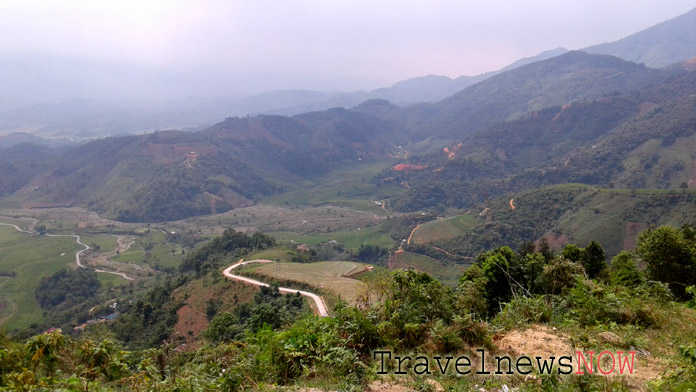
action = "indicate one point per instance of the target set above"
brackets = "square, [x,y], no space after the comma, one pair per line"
[268,218]
[334,276]
[446,273]
[443,229]
[29,257]
[351,239]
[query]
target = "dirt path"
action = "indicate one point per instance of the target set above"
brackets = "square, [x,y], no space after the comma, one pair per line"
[78,254]
[321,306]
[511,204]
[408,242]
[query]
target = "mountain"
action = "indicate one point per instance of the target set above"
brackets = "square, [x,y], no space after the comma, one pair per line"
[170,175]
[83,100]
[568,213]
[433,88]
[575,99]
[558,81]
[641,139]
[669,42]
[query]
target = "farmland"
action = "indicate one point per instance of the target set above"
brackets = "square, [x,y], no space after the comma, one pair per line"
[330,275]
[29,258]
[447,273]
[444,229]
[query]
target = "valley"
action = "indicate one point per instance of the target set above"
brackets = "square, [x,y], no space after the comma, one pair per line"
[551,202]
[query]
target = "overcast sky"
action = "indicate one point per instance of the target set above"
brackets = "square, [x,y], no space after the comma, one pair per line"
[325,45]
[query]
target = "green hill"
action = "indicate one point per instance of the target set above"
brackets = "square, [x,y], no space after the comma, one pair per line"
[569,213]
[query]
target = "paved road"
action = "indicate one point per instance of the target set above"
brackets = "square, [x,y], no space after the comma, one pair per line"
[321,306]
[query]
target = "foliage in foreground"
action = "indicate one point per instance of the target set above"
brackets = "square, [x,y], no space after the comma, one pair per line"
[403,311]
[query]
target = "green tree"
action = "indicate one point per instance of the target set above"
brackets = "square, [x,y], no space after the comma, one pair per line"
[670,256]
[624,270]
[593,259]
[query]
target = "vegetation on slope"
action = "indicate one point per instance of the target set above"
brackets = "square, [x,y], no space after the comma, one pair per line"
[407,312]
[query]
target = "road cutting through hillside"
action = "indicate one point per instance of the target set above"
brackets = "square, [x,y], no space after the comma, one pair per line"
[408,242]
[321,306]
[512,205]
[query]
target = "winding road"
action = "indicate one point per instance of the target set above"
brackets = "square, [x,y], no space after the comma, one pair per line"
[77,255]
[321,306]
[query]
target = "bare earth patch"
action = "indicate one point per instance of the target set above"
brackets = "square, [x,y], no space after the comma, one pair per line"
[539,340]
[556,240]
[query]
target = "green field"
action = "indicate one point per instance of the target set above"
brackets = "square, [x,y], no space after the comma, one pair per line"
[349,187]
[329,275]
[350,239]
[444,229]
[152,248]
[31,258]
[446,273]
[105,242]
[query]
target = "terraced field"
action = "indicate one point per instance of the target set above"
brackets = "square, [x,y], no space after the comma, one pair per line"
[330,275]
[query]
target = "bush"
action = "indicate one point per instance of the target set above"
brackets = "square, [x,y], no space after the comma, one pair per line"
[560,275]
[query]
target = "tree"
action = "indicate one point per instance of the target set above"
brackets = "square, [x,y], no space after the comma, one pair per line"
[624,270]
[573,252]
[593,259]
[670,256]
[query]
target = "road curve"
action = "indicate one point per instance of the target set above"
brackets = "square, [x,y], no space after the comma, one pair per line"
[77,239]
[321,306]
[77,255]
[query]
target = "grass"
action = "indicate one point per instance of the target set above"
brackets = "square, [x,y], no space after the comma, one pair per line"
[110,280]
[103,241]
[446,273]
[276,254]
[330,275]
[349,187]
[31,258]
[350,239]
[152,248]
[444,229]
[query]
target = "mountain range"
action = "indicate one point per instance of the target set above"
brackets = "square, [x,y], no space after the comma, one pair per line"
[571,117]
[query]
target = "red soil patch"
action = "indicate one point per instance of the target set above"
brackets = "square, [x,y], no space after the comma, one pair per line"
[690,64]
[566,106]
[190,324]
[407,167]
[556,240]
[632,231]
[451,153]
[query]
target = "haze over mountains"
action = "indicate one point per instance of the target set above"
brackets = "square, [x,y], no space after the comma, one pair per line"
[536,123]
[63,97]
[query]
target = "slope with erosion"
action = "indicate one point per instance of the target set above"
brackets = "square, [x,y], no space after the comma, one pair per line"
[640,139]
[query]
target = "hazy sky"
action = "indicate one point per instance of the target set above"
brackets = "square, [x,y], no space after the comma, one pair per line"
[329,44]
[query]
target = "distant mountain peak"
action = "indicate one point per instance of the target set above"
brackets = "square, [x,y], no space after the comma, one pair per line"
[666,43]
